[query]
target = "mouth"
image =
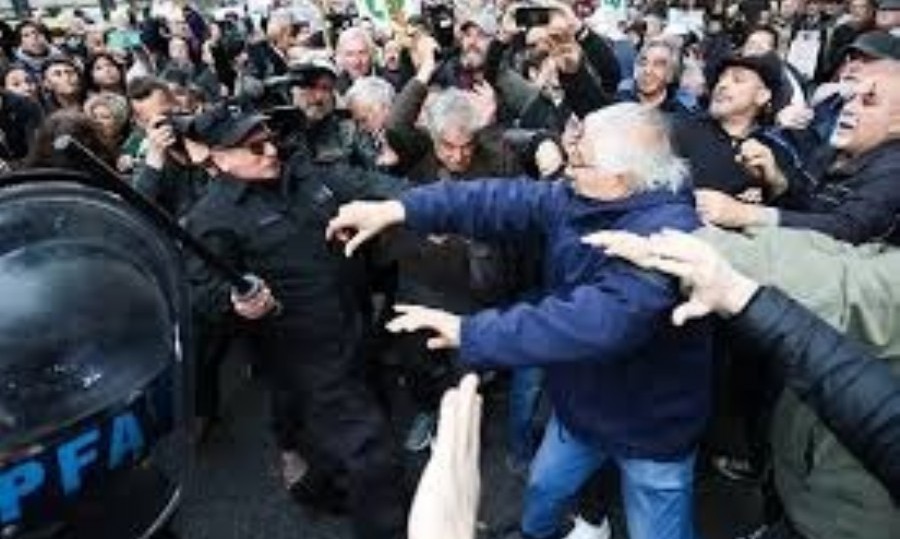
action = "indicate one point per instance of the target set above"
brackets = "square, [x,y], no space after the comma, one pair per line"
[846,123]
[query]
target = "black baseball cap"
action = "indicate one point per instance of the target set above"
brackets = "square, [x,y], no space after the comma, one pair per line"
[888,4]
[224,127]
[877,44]
[770,70]
[306,72]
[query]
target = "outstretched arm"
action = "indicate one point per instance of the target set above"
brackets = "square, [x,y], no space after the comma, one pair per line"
[482,210]
[856,395]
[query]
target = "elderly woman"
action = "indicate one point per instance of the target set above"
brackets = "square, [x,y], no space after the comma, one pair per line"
[111,113]
[65,122]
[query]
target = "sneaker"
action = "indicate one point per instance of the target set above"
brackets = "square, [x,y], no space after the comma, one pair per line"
[293,468]
[583,529]
[421,432]
[737,469]
[758,533]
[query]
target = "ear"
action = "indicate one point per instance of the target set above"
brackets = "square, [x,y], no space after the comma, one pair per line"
[763,97]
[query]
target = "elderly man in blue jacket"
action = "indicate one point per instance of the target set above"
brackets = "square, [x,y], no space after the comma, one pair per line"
[626,386]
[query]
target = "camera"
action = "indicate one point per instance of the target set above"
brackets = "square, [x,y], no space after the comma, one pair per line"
[439,21]
[182,125]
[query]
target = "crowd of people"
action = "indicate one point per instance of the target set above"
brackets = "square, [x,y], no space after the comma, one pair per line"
[523,190]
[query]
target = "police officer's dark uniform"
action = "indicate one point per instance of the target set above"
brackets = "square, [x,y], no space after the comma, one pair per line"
[310,348]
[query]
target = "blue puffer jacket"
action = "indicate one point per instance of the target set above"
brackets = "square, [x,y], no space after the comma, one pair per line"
[619,374]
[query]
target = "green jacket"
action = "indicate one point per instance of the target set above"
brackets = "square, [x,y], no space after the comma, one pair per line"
[826,493]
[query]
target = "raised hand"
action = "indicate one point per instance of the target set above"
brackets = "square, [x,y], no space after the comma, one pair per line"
[446,326]
[357,222]
[446,502]
[713,285]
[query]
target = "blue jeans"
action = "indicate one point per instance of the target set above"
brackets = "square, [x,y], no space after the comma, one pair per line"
[525,391]
[658,496]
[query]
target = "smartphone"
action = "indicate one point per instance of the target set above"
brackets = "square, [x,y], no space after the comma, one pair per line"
[529,17]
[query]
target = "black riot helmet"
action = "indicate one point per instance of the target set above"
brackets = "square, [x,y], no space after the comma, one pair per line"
[91,359]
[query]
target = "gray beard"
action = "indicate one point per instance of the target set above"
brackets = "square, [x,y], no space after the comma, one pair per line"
[473,60]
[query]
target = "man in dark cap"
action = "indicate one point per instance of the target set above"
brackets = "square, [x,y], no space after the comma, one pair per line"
[746,90]
[888,15]
[725,148]
[867,48]
[877,44]
[324,133]
[268,216]
[856,199]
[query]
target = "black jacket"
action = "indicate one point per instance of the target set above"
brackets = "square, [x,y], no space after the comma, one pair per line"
[265,61]
[19,120]
[711,152]
[855,394]
[856,202]
[175,188]
[277,231]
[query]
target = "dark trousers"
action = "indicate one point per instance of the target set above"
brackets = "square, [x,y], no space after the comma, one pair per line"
[336,420]
[428,372]
[211,347]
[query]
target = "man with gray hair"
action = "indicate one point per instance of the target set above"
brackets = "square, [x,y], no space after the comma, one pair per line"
[369,102]
[450,271]
[626,386]
[354,54]
[656,76]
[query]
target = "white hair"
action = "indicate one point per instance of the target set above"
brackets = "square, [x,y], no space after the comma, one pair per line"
[352,33]
[633,140]
[278,22]
[451,107]
[373,90]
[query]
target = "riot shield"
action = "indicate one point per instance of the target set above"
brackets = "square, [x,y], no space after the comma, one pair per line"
[92,363]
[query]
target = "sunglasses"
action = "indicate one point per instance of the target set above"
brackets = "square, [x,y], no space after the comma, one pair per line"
[258,147]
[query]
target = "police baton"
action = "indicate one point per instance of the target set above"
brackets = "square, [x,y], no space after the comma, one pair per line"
[106,178]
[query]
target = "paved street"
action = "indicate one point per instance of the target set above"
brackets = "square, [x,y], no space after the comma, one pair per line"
[234,491]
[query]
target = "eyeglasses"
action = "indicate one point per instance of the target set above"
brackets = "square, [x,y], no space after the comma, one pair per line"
[258,147]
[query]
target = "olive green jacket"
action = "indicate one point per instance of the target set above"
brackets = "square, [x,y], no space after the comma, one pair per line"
[826,493]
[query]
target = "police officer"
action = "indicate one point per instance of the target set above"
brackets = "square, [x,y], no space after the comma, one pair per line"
[268,217]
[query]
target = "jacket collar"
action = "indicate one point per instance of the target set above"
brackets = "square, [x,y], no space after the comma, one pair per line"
[591,209]
[236,191]
[854,165]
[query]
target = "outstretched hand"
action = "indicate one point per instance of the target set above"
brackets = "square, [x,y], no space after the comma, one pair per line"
[357,222]
[446,503]
[446,326]
[714,286]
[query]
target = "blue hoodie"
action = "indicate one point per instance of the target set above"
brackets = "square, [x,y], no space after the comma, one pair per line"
[620,376]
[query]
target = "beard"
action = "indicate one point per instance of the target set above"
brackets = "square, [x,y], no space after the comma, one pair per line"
[473,59]
[318,111]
